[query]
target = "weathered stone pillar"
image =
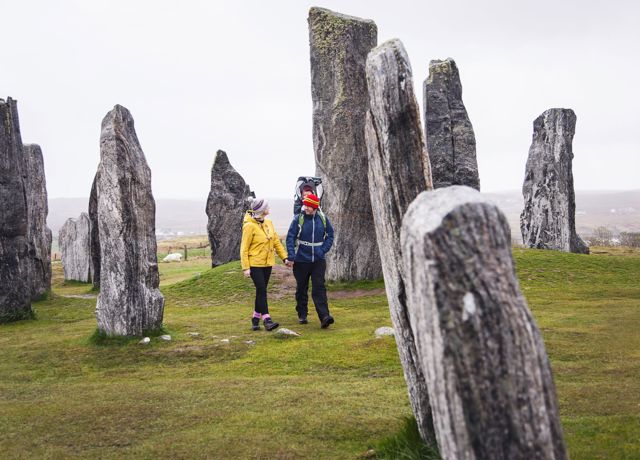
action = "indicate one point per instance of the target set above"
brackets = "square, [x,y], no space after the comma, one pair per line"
[548,220]
[94,233]
[489,378]
[74,239]
[39,234]
[398,172]
[339,48]
[228,200]
[451,142]
[130,302]
[15,285]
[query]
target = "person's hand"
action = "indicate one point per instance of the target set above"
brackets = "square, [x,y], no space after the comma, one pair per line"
[288,263]
[247,273]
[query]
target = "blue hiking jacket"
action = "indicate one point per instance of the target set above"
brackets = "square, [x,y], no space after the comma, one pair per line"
[313,244]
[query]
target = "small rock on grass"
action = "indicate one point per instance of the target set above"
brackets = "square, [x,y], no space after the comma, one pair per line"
[225,340]
[145,341]
[166,337]
[385,331]
[193,334]
[285,331]
[250,342]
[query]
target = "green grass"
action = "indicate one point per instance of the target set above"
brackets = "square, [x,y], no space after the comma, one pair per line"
[588,309]
[406,444]
[333,394]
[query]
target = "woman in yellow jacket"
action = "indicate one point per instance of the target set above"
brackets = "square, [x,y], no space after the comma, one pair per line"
[259,240]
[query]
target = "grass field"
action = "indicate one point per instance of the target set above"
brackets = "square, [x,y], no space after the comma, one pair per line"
[231,393]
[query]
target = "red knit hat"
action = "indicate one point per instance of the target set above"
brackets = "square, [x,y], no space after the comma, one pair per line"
[312,201]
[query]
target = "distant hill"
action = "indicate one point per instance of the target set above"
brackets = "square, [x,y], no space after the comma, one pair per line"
[172,216]
[619,211]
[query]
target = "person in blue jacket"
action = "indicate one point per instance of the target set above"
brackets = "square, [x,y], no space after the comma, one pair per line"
[310,237]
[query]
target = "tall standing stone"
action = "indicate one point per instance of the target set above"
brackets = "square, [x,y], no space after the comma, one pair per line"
[339,48]
[398,172]
[95,233]
[548,219]
[39,234]
[451,142]
[15,285]
[129,302]
[490,382]
[74,239]
[228,200]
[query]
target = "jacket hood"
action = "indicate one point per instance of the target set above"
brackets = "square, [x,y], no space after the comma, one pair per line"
[249,218]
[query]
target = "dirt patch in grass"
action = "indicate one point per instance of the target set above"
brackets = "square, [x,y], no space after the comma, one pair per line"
[284,283]
[80,296]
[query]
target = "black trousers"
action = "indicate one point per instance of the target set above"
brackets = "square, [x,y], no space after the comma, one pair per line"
[260,277]
[314,271]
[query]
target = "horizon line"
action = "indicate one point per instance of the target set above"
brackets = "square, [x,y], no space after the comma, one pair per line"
[291,198]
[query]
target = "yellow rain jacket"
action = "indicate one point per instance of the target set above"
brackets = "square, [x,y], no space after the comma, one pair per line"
[259,239]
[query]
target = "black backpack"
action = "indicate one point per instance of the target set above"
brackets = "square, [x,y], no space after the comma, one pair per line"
[306,181]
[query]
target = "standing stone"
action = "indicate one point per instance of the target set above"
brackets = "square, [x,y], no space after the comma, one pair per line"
[95,233]
[450,140]
[398,172]
[490,382]
[15,285]
[129,302]
[74,239]
[339,48]
[228,200]
[38,233]
[548,219]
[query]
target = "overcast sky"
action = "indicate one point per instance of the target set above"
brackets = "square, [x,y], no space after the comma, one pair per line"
[199,76]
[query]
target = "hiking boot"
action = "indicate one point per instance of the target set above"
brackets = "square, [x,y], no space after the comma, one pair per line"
[303,320]
[255,324]
[270,325]
[326,321]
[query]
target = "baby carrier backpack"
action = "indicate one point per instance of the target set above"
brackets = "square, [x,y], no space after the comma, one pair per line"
[314,183]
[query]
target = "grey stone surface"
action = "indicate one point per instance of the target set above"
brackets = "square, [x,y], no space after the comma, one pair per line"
[39,234]
[489,377]
[15,267]
[130,302]
[285,331]
[74,240]
[228,201]
[339,47]
[451,142]
[548,218]
[95,234]
[398,171]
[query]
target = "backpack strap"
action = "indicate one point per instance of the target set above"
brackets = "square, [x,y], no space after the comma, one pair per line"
[300,222]
[323,218]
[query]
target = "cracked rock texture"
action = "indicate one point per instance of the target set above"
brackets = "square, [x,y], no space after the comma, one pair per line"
[339,47]
[451,142]
[38,233]
[95,233]
[130,302]
[490,382]
[15,264]
[398,173]
[227,203]
[74,239]
[548,219]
